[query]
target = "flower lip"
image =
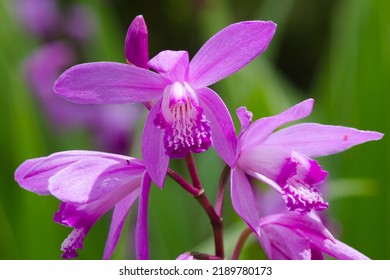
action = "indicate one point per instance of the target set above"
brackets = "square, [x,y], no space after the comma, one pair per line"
[185,126]
[302,197]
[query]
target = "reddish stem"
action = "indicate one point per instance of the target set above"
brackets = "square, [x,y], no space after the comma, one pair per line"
[240,243]
[190,161]
[198,192]
[221,190]
[182,182]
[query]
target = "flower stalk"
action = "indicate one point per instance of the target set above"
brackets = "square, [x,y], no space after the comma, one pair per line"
[221,190]
[182,182]
[190,161]
[240,243]
[199,194]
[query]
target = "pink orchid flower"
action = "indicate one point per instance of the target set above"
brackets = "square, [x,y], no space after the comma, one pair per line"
[89,184]
[187,116]
[282,160]
[293,236]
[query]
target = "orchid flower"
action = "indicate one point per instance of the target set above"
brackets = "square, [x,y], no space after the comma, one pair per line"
[282,160]
[293,236]
[40,17]
[187,116]
[89,184]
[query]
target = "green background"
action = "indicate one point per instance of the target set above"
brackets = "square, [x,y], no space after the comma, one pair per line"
[337,52]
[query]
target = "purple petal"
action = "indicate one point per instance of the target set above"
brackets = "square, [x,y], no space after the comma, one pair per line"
[305,225]
[34,181]
[244,200]
[83,216]
[245,118]
[94,178]
[118,218]
[136,43]
[341,251]
[222,129]
[172,65]
[281,243]
[268,161]
[109,83]
[153,151]
[316,254]
[262,128]
[141,229]
[230,50]
[186,257]
[81,219]
[316,140]
[34,174]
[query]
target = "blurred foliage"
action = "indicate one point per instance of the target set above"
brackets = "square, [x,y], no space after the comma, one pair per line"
[335,51]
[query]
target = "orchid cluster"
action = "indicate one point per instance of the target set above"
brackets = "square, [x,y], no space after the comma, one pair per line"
[185,117]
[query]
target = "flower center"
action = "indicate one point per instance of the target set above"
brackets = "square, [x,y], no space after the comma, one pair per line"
[298,180]
[186,127]
[302,197]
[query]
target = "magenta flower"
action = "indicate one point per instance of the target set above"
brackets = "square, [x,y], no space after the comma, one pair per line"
[293,236]
[89,184]
[40,17]
[282,159]
[187,115]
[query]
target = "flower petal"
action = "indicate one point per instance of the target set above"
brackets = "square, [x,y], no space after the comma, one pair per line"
[93,178]
[230,50]
[186,257]
[141,229]
[109,83]
[118,218]
[83,216]
[153,151]
[222,129]
[172,65]
[33,181]
[268,161]
[263,127]
[316,140]
[341,250]
[34,174]
[244,200]
[305,225]
[136,43]
[282,243]
[245,118]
